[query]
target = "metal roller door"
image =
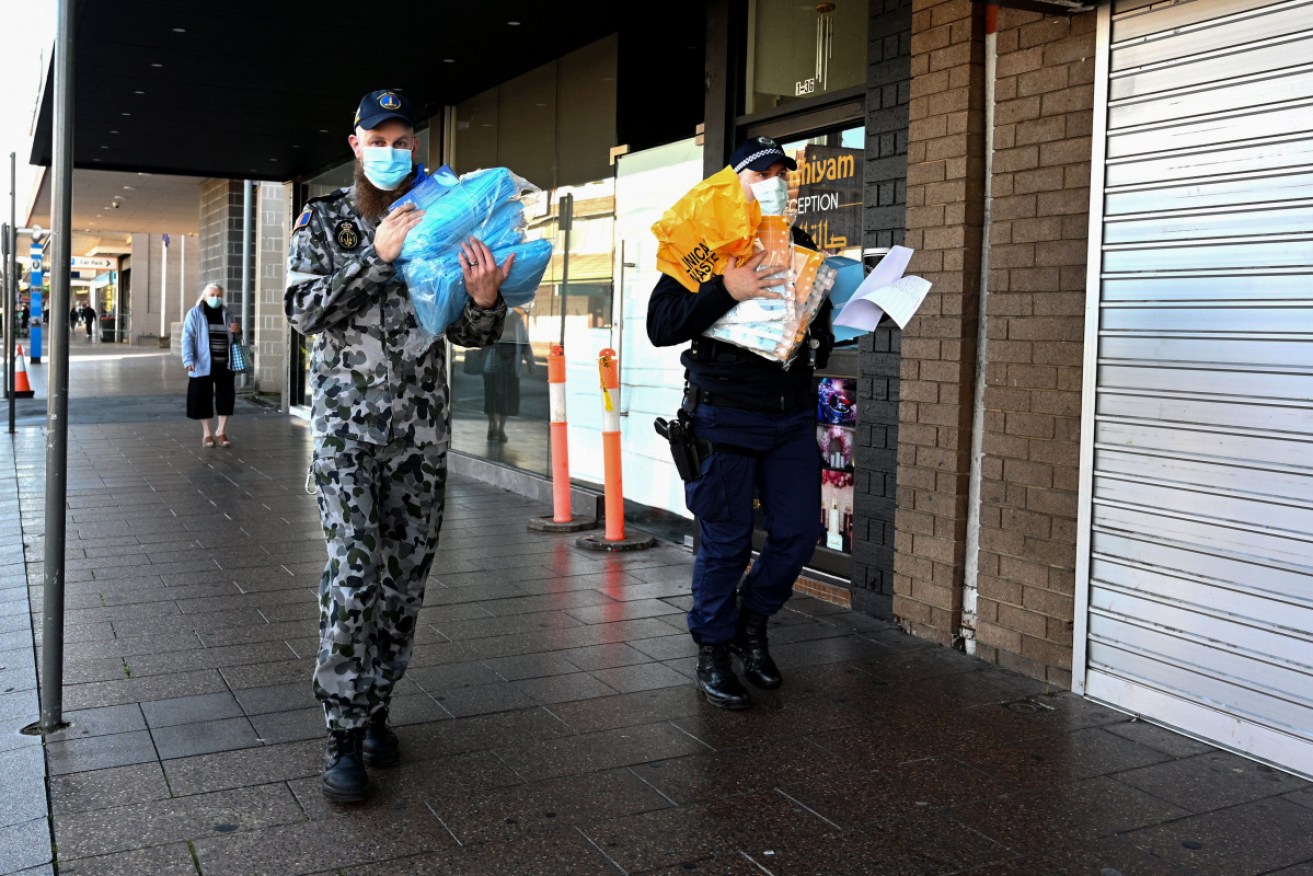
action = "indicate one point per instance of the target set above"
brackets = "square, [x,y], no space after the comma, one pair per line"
[1196,537]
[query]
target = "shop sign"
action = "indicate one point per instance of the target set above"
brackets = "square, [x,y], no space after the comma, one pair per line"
[828,183]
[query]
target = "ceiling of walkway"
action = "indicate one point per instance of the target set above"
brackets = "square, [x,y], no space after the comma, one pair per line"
[261,90]
[168,92]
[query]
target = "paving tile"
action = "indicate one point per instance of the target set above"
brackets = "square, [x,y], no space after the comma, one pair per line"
[1160,738]
[1065,814]
[139,690]
[1211,781]
[668,647]
[302,723]
[99,752]
[627,679]
[697,778]
[483,699]
[523,727]
[103,789]
[301,848]
[184,740]
[101,832]
[173,859]
[24,799]
[628,710]
[1256,837]
[1050,760]
[1100,858]
[190,710]
[24,846]
[510,812]
[604,750]
[537,854]
[246,767]
[531,666]
[276,698]
[104,721]
[452,676]
[774,715]
[605,656]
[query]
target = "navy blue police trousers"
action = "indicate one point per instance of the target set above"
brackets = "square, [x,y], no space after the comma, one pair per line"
[781,468]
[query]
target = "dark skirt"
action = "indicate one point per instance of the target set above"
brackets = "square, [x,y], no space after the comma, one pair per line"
[214,390]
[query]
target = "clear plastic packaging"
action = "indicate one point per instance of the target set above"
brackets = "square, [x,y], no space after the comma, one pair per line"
[774,327]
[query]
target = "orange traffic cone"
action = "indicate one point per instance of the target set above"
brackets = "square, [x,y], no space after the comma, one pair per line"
[22,388]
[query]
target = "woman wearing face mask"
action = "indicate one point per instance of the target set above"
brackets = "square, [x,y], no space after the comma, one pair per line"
[760,419]
[207,339]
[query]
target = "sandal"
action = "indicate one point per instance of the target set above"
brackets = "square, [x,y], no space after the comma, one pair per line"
[207,441]
[223,440]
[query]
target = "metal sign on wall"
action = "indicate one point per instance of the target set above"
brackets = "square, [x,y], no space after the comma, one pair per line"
[828,188]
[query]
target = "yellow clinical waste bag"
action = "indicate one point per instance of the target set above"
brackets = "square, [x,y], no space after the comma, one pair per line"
[704,229]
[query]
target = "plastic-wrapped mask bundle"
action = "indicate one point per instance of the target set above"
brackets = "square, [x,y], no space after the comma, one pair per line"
[485,204]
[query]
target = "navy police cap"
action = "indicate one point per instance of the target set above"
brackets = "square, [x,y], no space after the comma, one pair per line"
[379,106]
[759,153]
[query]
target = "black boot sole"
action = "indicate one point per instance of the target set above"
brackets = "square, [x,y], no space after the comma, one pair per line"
[336,796]
[722,703]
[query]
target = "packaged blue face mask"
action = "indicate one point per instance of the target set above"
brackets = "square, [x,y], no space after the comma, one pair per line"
[486,205]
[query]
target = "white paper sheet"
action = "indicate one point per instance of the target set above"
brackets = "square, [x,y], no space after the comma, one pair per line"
[885,290]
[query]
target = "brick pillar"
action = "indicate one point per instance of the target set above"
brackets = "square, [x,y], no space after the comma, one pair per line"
[945,205]
[888,88]
[1044,93]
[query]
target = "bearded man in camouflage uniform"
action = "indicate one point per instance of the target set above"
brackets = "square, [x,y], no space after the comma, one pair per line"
[381,423]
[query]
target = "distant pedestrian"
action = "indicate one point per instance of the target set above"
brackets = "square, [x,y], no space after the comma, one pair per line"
[207,339]
[88,314]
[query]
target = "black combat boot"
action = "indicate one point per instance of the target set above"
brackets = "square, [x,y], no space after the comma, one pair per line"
[717,680]
[344,778]
[750,644]
[381,747]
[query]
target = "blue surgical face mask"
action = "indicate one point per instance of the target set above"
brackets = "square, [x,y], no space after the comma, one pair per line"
[386,167]
[213,301]
[772,194]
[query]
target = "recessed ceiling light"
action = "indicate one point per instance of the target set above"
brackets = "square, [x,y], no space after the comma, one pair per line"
[104,146]
[449,60]
[125,114]
[180,30]
[296,145]
[273,159]
[513,23]
[323,130]
[95,159]
[138,92]
[157,65]
[113,132]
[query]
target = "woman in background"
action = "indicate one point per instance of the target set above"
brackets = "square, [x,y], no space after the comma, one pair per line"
[207,340]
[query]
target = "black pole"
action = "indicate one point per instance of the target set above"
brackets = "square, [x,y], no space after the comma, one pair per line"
[11,289]
[61,201]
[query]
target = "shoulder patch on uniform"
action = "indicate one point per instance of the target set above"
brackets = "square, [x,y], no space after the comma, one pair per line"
[303,220]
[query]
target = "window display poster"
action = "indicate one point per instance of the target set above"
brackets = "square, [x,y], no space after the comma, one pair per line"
[836,401]
[837,510]
[836,430]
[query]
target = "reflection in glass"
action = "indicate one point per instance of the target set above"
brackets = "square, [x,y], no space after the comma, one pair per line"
[802,51]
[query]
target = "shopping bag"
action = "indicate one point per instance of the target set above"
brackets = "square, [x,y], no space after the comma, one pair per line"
[712,223]
[241,358]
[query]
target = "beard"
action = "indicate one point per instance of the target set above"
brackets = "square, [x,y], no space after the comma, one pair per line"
[372,201]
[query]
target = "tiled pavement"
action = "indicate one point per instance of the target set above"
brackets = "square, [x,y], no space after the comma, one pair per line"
[548,722]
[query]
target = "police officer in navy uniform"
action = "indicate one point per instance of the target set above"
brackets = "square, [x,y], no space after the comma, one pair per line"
[759,418]
[381,422]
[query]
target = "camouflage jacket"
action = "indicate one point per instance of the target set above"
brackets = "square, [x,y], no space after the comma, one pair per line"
[370,378]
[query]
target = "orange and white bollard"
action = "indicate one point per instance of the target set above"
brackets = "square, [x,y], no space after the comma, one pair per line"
[22,387]
[608,367]
[562,519]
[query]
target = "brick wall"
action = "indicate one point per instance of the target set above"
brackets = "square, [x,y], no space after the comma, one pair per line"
[1039,228]
[885,182]
[945,208]
[271,329]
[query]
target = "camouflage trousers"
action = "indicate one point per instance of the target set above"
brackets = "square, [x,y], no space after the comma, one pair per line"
[381,508]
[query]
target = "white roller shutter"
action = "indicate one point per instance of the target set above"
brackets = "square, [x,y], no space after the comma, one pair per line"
[1196,553]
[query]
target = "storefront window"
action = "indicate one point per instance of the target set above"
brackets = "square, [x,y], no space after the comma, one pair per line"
[803,51]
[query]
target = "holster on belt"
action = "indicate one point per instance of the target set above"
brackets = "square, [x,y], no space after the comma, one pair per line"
[686,449]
